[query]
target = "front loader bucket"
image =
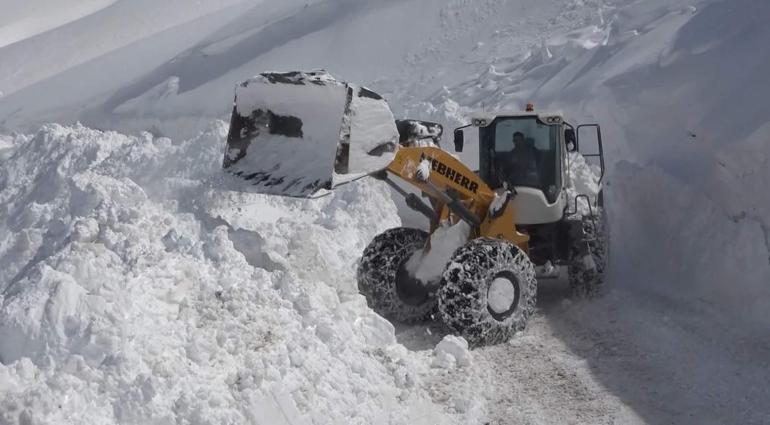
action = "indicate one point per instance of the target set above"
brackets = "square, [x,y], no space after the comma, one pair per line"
[296,133]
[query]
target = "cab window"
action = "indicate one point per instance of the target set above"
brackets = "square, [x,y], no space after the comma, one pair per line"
[522,151]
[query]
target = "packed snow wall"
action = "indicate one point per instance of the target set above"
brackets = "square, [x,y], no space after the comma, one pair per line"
[135,288]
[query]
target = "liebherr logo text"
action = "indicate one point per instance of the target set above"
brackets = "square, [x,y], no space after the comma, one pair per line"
[450,173]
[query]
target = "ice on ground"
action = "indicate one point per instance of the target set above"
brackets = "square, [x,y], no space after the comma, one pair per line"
[135,286]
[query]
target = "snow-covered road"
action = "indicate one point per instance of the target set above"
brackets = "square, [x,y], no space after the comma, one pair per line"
[628,358]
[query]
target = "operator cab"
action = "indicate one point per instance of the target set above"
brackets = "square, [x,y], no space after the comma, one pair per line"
[529,154]
[526,151]
[523,151]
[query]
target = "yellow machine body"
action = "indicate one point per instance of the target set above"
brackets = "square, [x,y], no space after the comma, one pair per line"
[447,173]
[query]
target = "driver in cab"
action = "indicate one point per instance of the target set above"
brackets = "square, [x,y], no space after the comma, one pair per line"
[522,161]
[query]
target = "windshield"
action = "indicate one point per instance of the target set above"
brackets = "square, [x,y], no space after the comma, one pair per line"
[522,151]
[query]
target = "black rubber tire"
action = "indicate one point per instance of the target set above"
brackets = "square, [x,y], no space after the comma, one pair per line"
[462,298]
[383,280]
[589,282]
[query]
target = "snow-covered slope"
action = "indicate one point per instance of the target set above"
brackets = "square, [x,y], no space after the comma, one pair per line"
[678,86]
[22,20]
[406,49]
[84,30]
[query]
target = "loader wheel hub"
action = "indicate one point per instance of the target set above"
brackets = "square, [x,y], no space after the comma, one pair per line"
[502,296]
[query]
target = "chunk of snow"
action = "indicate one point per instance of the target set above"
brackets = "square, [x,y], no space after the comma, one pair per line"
[451,350]
[501,197]
[423,170]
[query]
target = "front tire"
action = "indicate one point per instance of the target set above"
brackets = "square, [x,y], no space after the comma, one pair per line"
[389,288]
[488,291]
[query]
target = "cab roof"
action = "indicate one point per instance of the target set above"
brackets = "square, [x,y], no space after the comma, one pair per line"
[483,119]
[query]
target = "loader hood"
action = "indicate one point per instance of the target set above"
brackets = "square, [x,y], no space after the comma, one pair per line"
[296,133]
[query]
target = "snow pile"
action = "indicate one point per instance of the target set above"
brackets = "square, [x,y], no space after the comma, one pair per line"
[136,288]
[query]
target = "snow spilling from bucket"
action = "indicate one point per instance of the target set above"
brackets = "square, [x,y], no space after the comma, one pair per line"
[137,288]
[428,266]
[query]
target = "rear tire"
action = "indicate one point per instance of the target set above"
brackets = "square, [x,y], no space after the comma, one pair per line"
[383,279]
[469,302]
[593,243]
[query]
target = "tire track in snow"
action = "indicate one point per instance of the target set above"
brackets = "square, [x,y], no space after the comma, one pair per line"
[535,378]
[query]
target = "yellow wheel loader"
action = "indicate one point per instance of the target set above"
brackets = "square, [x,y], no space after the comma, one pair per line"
[303,133]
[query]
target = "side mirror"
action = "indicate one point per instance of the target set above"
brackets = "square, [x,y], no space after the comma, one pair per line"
[459,140]
[570,140]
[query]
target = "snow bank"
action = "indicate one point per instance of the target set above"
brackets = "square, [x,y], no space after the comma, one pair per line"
[135,287]
[697,248]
